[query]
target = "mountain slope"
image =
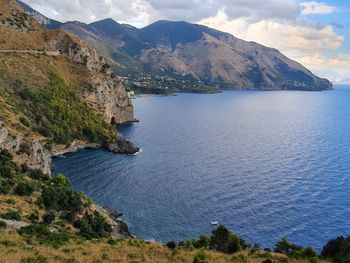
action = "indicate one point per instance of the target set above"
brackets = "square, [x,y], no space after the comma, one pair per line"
[201,53]
[43,20]
[56,93]
[194,54]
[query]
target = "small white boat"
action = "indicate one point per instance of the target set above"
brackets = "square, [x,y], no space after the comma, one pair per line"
[214,223]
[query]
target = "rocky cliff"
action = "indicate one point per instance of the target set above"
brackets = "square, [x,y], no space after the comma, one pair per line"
[55,93]
[106,92]
[25,150]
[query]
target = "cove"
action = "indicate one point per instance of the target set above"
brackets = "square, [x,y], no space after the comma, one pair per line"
[264,164]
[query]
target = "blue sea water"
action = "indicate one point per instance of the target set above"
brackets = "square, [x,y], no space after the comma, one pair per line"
[264,164]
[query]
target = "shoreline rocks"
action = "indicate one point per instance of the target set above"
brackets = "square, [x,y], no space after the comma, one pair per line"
[120,229]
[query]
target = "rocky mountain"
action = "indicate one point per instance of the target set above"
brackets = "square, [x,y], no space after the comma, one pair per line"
[194,53]
[56,93]
[43,20]
[208,55]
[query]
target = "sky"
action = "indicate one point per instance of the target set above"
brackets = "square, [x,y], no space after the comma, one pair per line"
[314,33]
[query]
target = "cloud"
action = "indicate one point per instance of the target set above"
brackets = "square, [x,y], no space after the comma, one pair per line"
[336,68]
[295,36]
[299,40]
[309,8]
[151,10]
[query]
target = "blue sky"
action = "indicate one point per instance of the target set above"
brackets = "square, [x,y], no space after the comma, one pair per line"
[314,33]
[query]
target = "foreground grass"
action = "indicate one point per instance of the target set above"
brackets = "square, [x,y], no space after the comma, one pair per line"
[13,248]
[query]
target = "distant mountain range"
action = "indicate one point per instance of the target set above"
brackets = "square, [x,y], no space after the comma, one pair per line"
[189,53]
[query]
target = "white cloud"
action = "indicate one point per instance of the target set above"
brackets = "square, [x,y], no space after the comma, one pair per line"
[336,68]
[295,36]
[298,40]
[309,8]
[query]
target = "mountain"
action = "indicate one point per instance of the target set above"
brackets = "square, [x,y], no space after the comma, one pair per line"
[43,20]
[192,57]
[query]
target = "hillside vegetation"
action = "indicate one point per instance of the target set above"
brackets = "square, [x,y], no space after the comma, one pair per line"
[57,224]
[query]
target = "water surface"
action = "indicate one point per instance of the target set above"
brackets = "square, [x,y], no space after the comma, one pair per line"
[265,164]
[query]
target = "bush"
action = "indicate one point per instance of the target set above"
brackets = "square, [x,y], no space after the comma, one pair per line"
[61,181]
[37,174]
[294,251]
[225,241]
[7,171]
[200,257]
[24,121]
[24,188]
[309,252]
[5,187]
[12,215]
[24,148]
[34,217]
[5,156]
[62,199]
[49,217]
[285,247]
[94,226]
[3,224]
[203,242]
[171,244]
[337,249]
[44,235]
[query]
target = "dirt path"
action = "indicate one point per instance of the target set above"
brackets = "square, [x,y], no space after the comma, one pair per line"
[13,225]
[49,53]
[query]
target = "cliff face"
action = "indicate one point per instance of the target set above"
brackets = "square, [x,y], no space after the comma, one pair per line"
[106,92]
[25,150]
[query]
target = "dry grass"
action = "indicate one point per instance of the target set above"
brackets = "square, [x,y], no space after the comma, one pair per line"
[27,205]
[13,249]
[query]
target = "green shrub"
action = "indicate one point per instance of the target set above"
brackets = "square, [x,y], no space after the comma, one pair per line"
[12,215]
[61,181]
[285,247]
[337,249]
[24,148]
[3,224]
[203,242]
[37,174]
[49,217]
[171,244]
[94,226]
[225,241]
[6,171]
[5,156]
[24,188]
[44,235]
[34,217]
[24,121]
[200,257]
[309,252]
[5,187]
[62,199]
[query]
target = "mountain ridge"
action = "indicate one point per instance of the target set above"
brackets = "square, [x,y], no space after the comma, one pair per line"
[195,53]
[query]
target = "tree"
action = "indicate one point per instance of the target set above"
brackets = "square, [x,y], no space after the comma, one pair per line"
[203,242]
[225,241]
